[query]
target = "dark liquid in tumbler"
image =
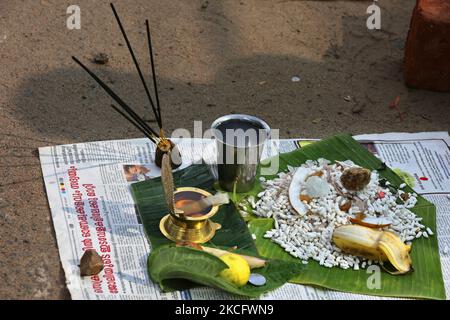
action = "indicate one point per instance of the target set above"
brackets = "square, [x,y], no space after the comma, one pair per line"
[244,125]
[230,172]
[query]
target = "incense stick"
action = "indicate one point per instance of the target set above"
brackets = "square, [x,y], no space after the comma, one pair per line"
[138,68]
[152,138]
[152,63]
[113,95]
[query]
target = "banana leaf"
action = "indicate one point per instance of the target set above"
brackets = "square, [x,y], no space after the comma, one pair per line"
[426,279]
[180,268]
[177,268]
[149,198]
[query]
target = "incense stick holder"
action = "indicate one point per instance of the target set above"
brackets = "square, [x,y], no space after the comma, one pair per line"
[164,147]
[195,228]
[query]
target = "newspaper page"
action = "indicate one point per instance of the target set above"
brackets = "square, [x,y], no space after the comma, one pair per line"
[88,191]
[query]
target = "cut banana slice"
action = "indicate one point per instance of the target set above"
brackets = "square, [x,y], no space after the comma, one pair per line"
[375,245]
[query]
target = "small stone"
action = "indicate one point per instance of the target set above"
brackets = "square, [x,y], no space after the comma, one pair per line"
[91,263]
[295,78]
[101,58]
[205,5]
[348,98]
[317,120]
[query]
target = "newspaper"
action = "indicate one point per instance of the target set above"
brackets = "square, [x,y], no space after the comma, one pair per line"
[91,205]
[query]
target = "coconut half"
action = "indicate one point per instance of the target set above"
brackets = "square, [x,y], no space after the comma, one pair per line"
[298,180]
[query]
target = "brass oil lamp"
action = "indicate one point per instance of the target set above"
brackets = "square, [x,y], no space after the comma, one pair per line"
[186,225]
[197,227]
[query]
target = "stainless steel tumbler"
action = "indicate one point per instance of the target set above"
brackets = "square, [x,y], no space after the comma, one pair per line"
[240,140]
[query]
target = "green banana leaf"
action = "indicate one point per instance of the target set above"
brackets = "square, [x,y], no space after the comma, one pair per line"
[179,268]
[426,280]
[176,268]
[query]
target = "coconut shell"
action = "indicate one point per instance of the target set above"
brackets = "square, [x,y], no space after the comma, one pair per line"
[355,179]
[175,155]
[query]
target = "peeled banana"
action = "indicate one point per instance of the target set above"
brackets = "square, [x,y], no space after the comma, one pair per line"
[375,245]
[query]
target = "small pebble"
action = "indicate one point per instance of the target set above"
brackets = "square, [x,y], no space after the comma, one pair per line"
[101,58]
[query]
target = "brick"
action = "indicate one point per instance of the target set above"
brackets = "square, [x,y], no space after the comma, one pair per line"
[427,51]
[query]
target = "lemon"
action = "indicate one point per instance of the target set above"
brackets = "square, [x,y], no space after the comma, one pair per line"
[238,271]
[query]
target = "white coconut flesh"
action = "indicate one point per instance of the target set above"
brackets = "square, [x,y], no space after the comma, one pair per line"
[316,187]
[295,188]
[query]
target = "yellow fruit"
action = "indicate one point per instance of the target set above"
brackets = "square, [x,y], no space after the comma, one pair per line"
[238,271]
[374,244]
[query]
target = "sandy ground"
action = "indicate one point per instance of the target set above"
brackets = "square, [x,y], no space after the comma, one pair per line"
[213,58]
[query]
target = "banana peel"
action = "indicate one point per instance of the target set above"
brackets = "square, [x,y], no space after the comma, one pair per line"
[375,245]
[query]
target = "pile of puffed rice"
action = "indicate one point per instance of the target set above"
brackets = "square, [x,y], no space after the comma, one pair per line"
[310,236]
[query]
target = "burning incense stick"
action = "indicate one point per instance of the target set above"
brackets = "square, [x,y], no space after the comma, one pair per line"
[163,145]
[138,68]
[152,63]
[117,99]
[151,137]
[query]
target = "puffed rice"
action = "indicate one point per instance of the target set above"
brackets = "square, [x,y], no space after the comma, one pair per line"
[309,236]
